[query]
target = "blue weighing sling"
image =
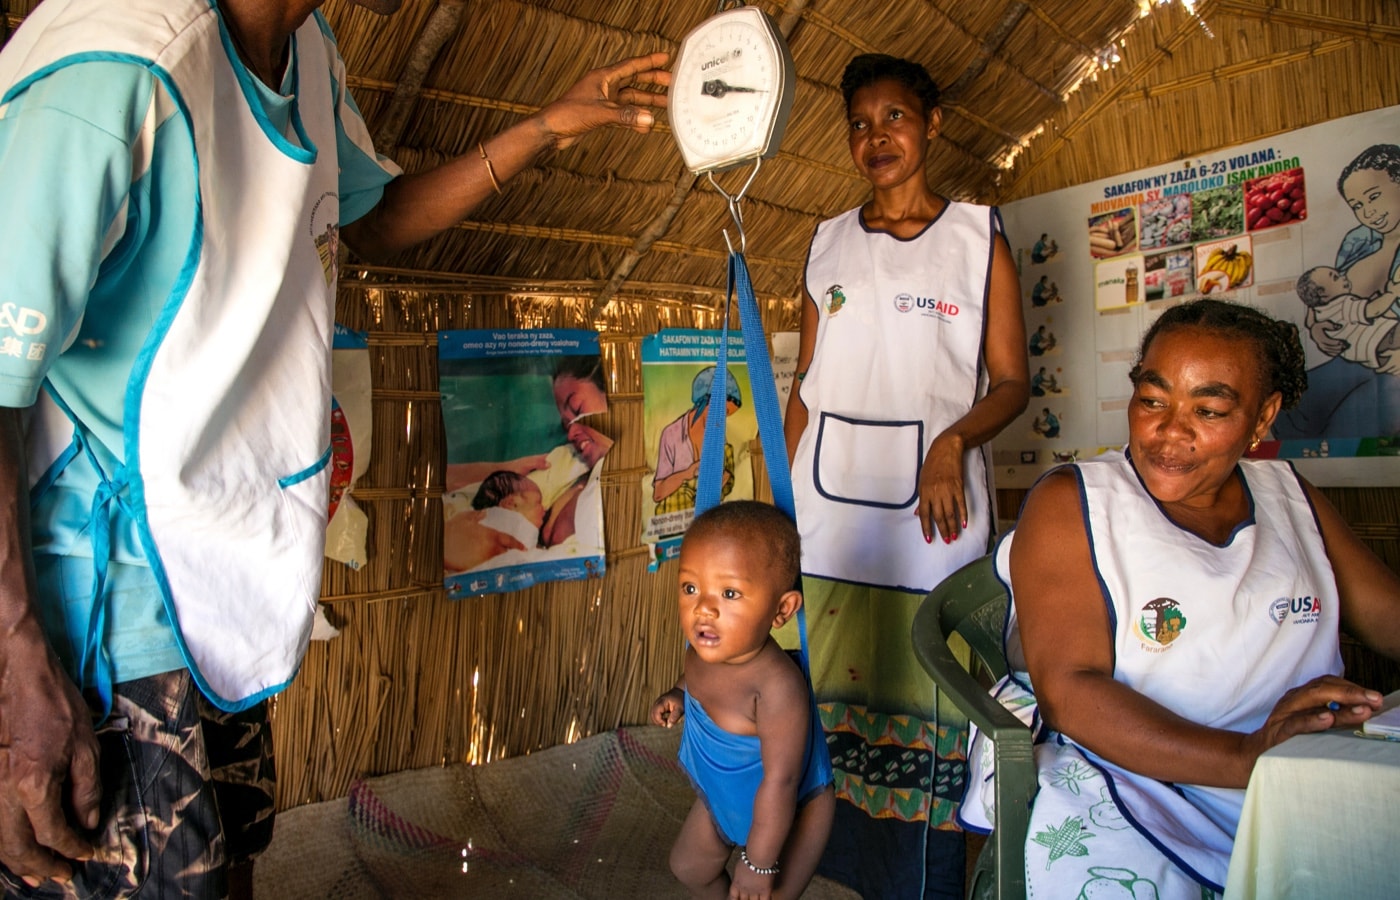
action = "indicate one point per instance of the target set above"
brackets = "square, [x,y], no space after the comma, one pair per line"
[726,768]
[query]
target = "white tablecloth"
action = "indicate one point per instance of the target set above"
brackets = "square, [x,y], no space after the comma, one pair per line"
[1321,819]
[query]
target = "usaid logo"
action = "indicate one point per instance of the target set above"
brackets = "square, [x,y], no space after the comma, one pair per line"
[1302,610]
[905,302]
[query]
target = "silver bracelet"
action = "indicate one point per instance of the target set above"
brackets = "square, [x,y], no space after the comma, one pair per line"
[757,870]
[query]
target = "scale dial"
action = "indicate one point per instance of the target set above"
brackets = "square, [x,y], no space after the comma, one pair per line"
[731,90]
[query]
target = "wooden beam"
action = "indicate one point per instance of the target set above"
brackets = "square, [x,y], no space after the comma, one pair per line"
[991,48]
[579,236]
[1239,70]
[441,27]
[1371,31]
[1121,86]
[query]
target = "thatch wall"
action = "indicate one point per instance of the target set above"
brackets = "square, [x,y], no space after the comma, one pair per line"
[415,679]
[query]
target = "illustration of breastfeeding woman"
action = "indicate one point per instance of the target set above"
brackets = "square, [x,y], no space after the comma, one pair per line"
[678,452]
[1345,398]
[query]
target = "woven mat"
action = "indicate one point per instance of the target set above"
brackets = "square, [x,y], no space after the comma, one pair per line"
[595,819]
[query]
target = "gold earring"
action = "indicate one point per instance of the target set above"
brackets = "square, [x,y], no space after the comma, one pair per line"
[1254,446]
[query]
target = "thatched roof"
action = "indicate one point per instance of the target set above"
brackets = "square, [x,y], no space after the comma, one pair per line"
[1029,107]
[1016,75]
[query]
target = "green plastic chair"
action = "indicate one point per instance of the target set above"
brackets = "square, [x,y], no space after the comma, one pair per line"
[972,602]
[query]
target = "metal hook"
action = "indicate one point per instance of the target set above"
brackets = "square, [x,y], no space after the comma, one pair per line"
[736,212]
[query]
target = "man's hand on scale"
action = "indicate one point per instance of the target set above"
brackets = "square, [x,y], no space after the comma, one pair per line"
[717,88]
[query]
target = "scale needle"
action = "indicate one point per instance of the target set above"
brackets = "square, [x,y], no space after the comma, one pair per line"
[717,88]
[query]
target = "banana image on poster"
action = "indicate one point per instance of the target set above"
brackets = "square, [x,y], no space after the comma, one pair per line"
[1225,267]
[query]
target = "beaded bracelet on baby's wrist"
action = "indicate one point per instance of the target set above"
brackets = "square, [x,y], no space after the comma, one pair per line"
[757,870]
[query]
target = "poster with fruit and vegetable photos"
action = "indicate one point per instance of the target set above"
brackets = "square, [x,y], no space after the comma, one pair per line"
[1305,225]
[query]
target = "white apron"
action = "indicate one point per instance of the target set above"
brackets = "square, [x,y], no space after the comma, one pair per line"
[1214,633]
[227,411]
[897,359]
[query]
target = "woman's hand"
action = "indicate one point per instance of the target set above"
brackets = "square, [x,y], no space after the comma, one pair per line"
[606,96]
[942,500]
[1308,708]
[669,708]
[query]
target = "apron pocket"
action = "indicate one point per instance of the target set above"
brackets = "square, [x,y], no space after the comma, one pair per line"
[868,463]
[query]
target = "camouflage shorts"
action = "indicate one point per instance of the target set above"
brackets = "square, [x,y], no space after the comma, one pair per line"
[187,791]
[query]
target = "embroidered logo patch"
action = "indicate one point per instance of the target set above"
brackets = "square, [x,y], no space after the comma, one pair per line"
[835,299]
[1159,623]
[325,234]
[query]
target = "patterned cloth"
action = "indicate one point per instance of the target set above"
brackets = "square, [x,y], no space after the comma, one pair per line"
[187,791]
[898,754]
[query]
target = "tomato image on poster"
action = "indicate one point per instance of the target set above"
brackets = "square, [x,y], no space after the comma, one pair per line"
[1276,199]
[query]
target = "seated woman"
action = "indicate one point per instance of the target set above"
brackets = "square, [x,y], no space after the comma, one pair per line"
[1176,608]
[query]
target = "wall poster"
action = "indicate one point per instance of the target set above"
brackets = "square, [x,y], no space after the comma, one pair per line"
[1305,225]
[678,370]
[351,427]
[521,501]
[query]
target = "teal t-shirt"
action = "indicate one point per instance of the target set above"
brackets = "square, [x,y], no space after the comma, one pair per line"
[98,183]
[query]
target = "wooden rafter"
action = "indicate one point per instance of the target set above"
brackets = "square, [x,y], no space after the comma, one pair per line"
[1371,31]
[1238,70]
[1121,86]
[990,49]
[1064,36]
[441,27]
[579,236]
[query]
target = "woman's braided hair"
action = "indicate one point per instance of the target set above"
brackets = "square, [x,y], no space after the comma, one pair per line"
[1276,341]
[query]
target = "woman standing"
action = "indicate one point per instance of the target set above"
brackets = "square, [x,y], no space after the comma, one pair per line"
[912,357]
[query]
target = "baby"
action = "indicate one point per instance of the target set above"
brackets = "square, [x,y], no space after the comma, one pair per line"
[753,743]
[1367,326]
[513,504]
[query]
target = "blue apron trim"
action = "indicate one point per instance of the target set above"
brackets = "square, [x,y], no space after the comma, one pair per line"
[1230,538]
[896,588]
[56,467]
[95,668]
[1094,559]
[310,471]
[1152,839]
[93,56]
[1298,479]
[305,154]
